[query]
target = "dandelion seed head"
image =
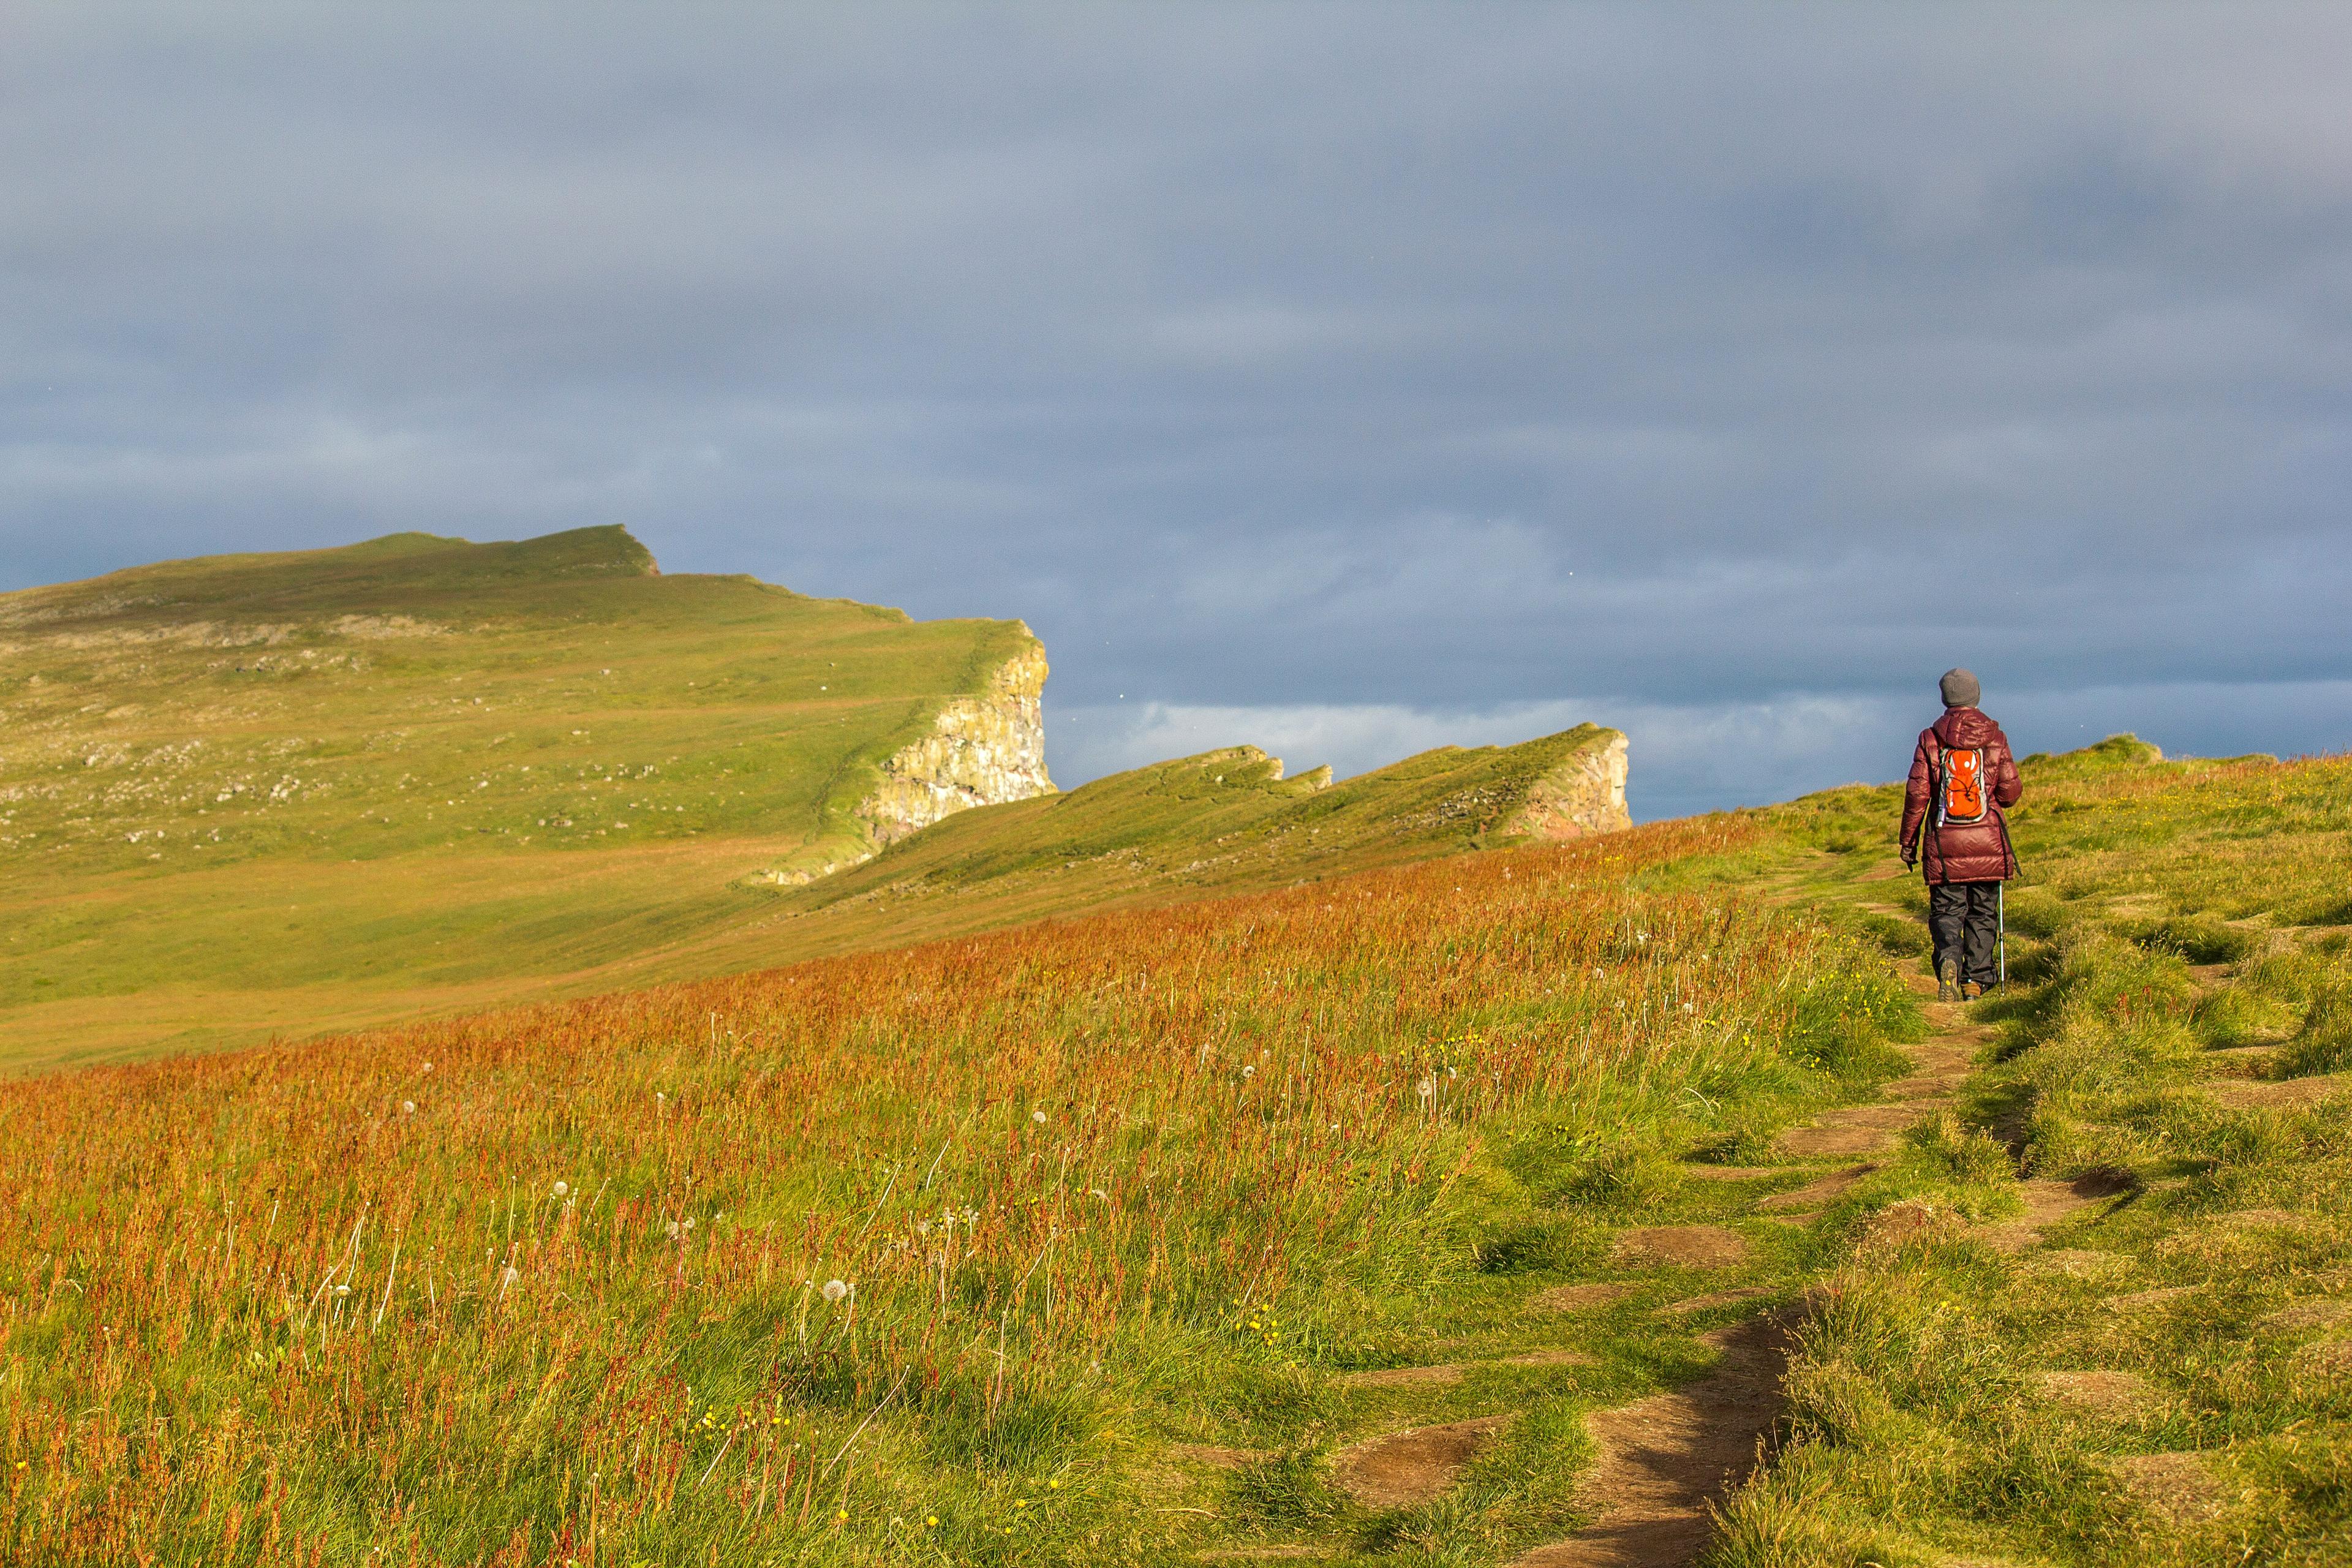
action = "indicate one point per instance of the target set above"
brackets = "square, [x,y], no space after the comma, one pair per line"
[562,1189]
[835,1291]
[408,1107]
[510,1276]
[1428,1087]
[1250,1071]
[1038,1117]
[343,1290]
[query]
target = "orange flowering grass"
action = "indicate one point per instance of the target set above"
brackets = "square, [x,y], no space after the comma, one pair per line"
[560,1284]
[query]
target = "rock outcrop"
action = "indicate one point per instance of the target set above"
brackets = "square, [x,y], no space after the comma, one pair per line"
[1585,794]
[981,750]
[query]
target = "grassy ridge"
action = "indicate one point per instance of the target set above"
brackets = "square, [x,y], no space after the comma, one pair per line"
[242,791]
[552,1286]
[280,794]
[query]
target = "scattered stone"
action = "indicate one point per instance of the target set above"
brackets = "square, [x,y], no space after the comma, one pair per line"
[1814,1194]
[2180,1487]
[2108,1394]
[1576,1298]
[1404,1468]
[2288,1094]
[1689,1246]
[1833,1142]
[1666,1460]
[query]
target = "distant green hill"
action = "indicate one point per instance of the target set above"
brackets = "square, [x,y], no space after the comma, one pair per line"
[258,791]
[283,794]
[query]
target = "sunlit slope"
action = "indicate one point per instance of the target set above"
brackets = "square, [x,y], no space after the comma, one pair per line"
[246,793]
[1225,820]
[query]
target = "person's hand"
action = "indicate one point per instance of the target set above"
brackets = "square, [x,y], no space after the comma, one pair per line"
[1910,859]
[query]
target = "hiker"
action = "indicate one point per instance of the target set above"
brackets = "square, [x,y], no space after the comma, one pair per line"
[1963,775]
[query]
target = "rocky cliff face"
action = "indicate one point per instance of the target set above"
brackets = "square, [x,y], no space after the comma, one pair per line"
[981,750]
[1585,794]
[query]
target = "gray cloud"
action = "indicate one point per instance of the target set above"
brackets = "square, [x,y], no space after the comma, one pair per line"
[1375,375]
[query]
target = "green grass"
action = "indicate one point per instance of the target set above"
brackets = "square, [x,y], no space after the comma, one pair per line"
[255,795]
[2170,911]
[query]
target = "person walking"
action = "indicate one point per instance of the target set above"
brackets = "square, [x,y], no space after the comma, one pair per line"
[1962,778]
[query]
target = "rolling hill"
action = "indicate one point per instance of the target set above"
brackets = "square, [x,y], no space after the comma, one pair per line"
[247,796]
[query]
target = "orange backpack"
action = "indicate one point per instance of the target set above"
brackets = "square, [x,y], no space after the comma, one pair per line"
[1960,793]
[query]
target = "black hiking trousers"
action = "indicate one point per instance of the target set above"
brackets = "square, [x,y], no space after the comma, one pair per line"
[1965,920]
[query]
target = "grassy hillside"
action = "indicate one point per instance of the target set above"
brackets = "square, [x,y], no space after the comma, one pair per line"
[251,795]
[251,792]
[1223,822]
[1160,1235]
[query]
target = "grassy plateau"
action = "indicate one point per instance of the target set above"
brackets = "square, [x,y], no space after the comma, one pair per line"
[1115,1238]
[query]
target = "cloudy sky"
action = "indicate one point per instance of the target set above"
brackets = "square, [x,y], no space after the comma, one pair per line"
[1348,379]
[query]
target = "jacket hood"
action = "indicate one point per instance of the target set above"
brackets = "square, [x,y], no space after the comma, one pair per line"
[1966,727]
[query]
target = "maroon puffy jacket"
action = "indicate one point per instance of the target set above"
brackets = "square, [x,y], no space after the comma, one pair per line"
[1979,851]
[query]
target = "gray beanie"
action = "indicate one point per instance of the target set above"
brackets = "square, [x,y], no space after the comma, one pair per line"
[1960,688]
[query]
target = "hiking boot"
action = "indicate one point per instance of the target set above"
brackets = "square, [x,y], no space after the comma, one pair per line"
[1947,981]
[1970,991]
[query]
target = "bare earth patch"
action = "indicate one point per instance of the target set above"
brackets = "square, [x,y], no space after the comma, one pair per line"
[2147,1300]
[1576,1298]
[2112,1396]
[1713,1299]
[1815,1194]
[1833,1142]
[2180,1487]
[1402,1377]
[2290,1094]
[1689,1246]
[1886,1118]
[2318,1314]
[1665,1459]
[2047,1202]
[1407,1468]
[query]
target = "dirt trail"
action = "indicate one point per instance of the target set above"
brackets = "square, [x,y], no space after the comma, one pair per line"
[1665,1459]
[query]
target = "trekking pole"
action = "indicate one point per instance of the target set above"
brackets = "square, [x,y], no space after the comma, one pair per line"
[2001,926]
